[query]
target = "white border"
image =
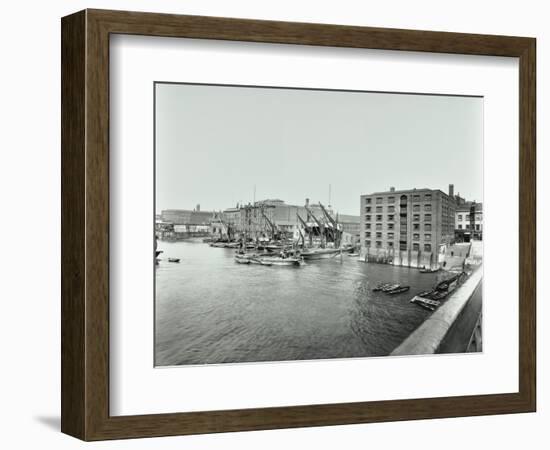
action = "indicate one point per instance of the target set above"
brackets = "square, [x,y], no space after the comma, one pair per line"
[138,388]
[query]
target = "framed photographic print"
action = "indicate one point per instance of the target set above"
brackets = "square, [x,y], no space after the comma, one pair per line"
[272,224]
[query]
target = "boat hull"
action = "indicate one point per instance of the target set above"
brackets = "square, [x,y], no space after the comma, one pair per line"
[279,261]
[320,254]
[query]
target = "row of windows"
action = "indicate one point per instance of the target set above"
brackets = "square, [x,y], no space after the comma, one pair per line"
[427,237]
[467,227]
[403,225]
[427,226]
[379,235]
[415,247]
[368,209]
[467,217]
[379,200]
[427,207]
[391,199]
[416,236]
[391,217]
[391,208]
[390,226]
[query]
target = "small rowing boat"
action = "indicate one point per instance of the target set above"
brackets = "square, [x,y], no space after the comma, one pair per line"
[174,260]
[391,287]
[429,270]
[320,253]
[425,303]
[380,287]
[399,290]
[279,261]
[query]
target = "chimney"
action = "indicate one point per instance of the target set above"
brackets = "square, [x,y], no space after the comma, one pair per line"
[451,190]
[307,201]
[392,189]
[198,208]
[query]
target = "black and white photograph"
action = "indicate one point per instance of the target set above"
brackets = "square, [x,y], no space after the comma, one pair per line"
[270,225]
[303,224]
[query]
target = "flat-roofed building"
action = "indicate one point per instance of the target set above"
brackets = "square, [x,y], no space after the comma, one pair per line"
[187,216]
[410,227]
[469,221]
[185,222]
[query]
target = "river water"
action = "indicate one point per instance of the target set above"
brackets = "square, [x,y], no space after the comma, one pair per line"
[211,310]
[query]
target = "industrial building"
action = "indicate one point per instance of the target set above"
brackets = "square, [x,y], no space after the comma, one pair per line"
[275,216]
[410,227]
[181,223]
[469,221]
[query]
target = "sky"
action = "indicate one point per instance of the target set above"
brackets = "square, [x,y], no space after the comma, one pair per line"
[216,145]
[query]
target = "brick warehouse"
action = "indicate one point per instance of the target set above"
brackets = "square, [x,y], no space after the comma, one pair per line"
[407,227]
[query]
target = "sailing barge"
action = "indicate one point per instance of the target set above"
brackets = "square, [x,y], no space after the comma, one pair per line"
[432,299]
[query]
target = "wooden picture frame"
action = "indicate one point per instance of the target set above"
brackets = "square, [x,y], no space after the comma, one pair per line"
[85,224]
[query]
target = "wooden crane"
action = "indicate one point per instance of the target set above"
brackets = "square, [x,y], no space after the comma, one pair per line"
[334,224]
[320,225]
[306,228]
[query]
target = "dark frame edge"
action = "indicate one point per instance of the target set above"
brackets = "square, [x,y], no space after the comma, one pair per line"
[73,225]
[527,225]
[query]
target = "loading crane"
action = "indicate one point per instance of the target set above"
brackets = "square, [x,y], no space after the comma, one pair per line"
[320,225]
[308,230]
[334,223]
[274,230]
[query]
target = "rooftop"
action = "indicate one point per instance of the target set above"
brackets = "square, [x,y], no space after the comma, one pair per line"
[406,191]
[183,211]
[466,207]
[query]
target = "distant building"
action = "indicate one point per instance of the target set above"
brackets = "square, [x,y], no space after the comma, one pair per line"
[177,223]
[187,216]
[270,216]
[233,216]
[410,227]
[469,221]
[350,224]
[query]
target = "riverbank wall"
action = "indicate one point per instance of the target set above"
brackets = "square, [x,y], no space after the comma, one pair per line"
[452,256]
[453,328]
[404,258]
